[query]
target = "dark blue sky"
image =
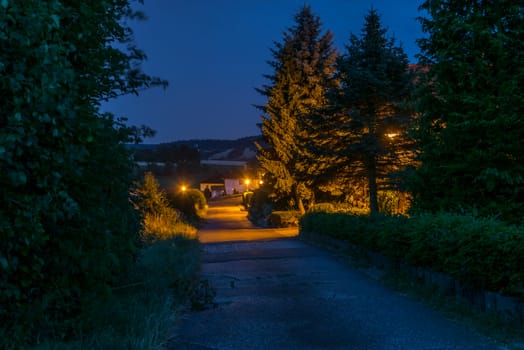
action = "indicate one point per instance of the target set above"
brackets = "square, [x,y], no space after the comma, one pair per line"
[214,53]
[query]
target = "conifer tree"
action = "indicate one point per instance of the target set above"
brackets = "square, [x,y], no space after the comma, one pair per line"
[370,108]
[304,65]
[471,106]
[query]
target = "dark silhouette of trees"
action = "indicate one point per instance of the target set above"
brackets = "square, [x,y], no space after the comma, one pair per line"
[67,227]
[168,152]
[304,64]
[369,110]
[471,106]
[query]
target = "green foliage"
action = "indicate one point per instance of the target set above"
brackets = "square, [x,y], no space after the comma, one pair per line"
[470,103]
[148,197]
[479,252]
[141,311]
[322,208]
[303,68]
[67,227]
[260,206]
[371,102]
[284,218]
[246,199]
[158,219]
[191,203]
[393,202]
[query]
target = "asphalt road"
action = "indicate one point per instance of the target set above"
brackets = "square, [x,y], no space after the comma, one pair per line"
[281,293]
[227,221]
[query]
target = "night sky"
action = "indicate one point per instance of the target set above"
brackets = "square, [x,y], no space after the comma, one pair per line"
[214,54]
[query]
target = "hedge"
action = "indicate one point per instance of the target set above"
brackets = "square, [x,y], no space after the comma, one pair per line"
[479,252]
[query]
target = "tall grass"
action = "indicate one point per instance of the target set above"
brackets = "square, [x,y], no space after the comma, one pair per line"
[140,312]
[166,226]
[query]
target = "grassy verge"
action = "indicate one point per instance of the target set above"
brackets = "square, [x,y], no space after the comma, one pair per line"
[140,311]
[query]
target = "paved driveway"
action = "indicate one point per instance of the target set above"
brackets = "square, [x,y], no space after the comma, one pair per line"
[227,221]
[285,294]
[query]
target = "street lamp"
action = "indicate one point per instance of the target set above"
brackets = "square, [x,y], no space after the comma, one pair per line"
[391,136]
[247,182]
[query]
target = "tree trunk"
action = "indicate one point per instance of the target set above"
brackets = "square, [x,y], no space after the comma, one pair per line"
[372,184]
[300,203]
[301,206]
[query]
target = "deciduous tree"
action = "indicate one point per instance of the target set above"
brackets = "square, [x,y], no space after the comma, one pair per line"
[67,227]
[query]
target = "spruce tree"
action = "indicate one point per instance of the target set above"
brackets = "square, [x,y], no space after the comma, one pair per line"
[471,106]
[304,64]
[370,109]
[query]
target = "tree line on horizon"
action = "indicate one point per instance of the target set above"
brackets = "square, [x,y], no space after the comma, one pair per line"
[447,130]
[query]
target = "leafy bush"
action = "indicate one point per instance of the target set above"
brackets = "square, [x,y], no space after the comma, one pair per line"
[67,228]
[246,198]
[393,202]
[159,220]
[137,313]
[141,311]
[479,252]
[350,209]
[284,218]
[323,208]
[260,207]
[191,203]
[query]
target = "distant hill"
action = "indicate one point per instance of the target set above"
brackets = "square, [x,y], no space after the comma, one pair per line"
[240,149]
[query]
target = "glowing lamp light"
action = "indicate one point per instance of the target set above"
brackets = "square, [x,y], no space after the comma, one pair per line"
[392,135]
[183,188]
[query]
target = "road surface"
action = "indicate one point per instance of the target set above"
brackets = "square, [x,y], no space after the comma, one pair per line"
[227,221]
[281,293]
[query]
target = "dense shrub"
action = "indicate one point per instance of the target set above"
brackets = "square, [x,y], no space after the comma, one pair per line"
[479,252]
[158,219]
[283,218]
[141,310]
[393,202]
[67,228]
[260,207]
[191,203]
[322,207]
[246,198]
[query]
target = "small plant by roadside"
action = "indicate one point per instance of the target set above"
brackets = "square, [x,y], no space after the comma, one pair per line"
[138,312]
[159,219]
